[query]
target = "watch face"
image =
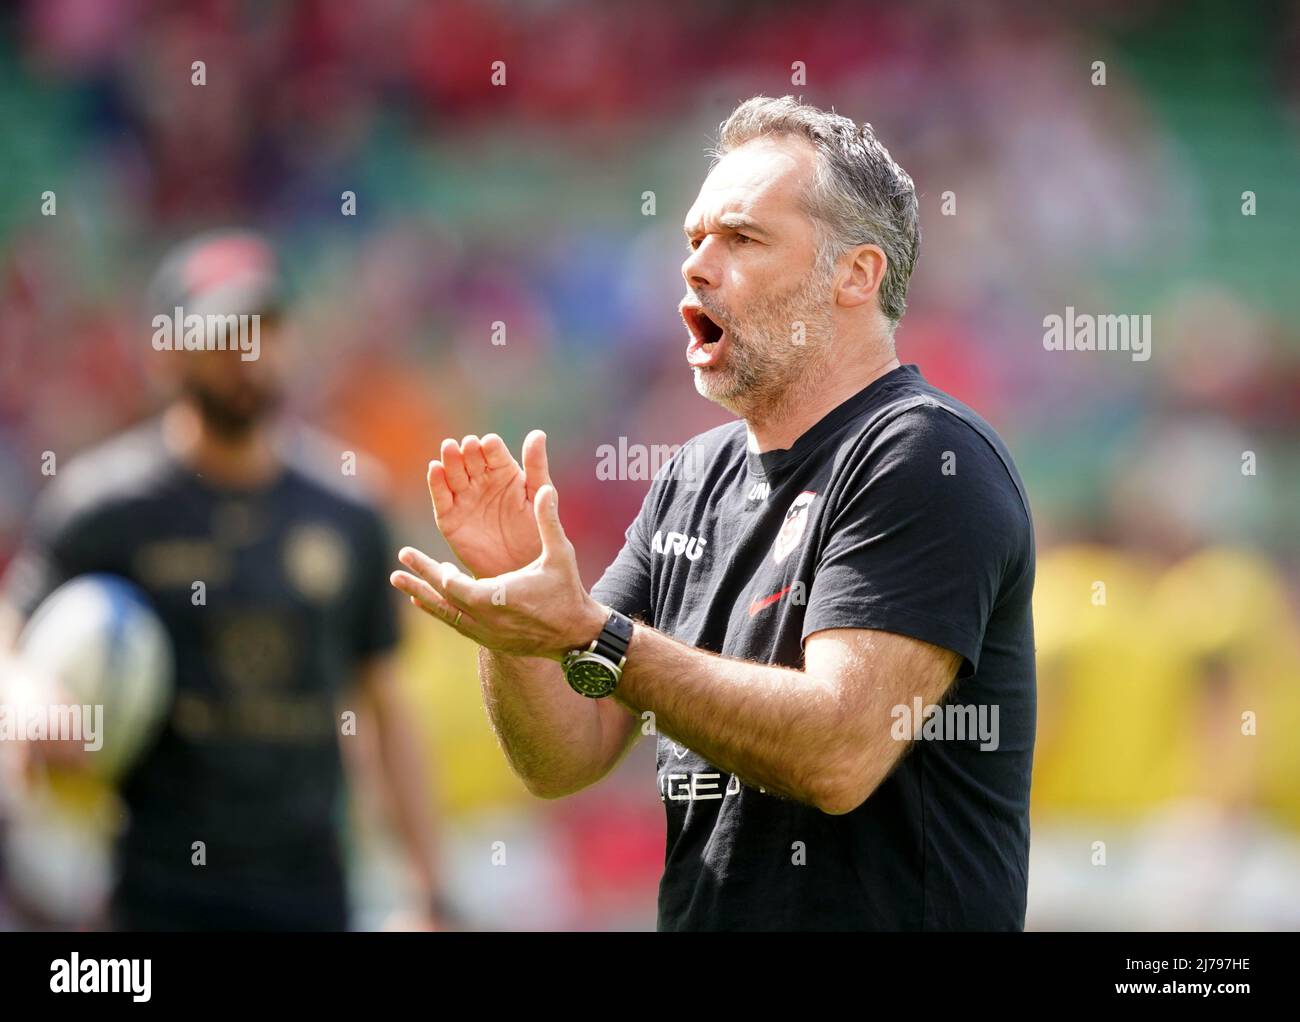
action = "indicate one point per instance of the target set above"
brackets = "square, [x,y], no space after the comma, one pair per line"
[591,676]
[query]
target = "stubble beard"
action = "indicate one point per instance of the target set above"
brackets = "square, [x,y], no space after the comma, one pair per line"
[771,368]
[232,417]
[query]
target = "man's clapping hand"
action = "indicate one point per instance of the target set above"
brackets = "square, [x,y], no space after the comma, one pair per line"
[483,501]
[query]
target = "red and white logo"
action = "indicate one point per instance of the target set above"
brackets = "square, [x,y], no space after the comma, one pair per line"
[766,601]
[792,528]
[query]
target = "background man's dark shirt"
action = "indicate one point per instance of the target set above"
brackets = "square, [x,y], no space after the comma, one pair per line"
[295,596]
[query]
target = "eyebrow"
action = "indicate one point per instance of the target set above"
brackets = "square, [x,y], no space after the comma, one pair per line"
[732,222]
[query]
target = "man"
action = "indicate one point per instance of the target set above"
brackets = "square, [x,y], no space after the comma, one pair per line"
[806,583]
[266,565]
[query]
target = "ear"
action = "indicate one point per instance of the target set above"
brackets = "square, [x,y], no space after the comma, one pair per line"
[860,280]
[165,370]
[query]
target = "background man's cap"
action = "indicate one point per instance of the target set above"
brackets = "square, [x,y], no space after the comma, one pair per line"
[227,272]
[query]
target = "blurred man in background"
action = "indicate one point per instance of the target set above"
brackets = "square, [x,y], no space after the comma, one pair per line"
[266,563]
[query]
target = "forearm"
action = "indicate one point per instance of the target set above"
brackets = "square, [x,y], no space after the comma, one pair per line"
[549,733]
[773,727]
[823,735]
[404,773]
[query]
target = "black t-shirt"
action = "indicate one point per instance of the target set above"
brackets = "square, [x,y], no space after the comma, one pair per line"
[295,595]
[901,511]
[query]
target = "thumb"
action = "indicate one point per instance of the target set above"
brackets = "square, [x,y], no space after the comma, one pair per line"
[546,507]
[537,472]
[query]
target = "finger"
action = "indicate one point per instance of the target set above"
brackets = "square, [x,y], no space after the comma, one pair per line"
[439,490]
[422,565]
[546,508]
[452,583]
[496,453]
[454,462]
[537,472]
[471,450]
[427,599]
[460,625]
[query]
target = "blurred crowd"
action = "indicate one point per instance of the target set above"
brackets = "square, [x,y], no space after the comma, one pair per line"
[550,201]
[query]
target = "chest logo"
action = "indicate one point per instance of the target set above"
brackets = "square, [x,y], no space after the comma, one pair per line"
[316,561]
[676,544]
[767,601]
[792,529]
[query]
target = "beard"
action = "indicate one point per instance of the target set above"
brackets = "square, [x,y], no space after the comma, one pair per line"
[768,368]
[232,416]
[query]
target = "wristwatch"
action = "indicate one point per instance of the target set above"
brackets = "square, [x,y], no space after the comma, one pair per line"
[595,671]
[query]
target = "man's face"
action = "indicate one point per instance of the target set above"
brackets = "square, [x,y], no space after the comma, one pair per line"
[758,309]
[232,394]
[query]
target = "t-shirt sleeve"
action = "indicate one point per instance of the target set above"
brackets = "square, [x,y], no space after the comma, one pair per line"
[62,539]
[625,584]
[375,610]
[921,537]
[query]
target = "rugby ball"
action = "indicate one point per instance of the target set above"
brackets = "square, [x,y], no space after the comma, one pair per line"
[96,641]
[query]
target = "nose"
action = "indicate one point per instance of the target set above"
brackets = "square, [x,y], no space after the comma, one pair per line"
[700,270]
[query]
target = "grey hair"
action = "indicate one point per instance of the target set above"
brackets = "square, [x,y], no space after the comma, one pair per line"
[858,195]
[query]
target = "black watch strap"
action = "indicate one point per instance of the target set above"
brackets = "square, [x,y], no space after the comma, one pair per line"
[614,638]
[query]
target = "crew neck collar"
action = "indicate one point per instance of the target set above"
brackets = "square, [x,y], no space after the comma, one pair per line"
[220,487]
[772,463]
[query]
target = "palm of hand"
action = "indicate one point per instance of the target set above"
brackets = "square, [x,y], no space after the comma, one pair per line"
[482,501]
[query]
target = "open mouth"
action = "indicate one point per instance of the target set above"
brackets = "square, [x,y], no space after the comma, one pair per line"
[706,335]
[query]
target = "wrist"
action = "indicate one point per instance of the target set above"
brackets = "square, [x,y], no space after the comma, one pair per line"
[593,668]
[587,627]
